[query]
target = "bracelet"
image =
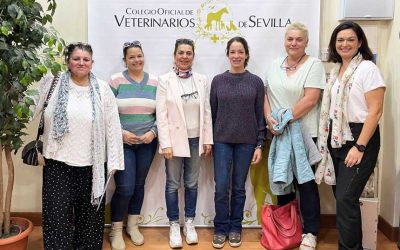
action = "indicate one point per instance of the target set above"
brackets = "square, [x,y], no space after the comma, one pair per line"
[154,133]
[258,146]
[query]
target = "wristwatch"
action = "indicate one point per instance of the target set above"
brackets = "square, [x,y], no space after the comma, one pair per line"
[360,148]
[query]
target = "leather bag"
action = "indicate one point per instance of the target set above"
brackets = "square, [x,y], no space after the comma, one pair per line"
[281,226]
[32,152]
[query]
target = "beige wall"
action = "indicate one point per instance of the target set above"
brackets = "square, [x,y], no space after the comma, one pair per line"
[390,160]
[71,22]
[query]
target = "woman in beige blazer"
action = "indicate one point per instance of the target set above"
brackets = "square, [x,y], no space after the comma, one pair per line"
[185,134]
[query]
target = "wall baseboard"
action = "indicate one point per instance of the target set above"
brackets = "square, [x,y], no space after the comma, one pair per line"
[392,233]
[327,221]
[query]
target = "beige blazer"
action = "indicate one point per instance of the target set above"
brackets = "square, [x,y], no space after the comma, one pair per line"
[171,122]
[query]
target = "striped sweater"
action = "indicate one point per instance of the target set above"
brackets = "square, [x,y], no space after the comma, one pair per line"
[136,102]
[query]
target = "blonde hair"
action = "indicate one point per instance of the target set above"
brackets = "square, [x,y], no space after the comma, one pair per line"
[297,26]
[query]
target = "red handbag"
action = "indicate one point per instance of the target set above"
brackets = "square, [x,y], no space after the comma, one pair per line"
[281,226]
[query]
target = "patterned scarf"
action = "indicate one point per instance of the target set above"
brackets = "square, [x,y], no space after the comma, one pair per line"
[341,132]
[61,127]
[182,73]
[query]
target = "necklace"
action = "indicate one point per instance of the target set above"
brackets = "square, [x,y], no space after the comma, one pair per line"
[190,94]
[290,67]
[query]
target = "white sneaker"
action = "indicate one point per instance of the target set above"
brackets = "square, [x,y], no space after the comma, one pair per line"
[175,239]
[308,242]
[190,232]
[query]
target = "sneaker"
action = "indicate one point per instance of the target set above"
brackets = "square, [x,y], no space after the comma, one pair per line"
[175,239]
[190,232]
[218,240]
[308,242]
[235,239]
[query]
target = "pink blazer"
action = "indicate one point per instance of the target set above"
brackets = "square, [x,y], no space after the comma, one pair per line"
[171,122]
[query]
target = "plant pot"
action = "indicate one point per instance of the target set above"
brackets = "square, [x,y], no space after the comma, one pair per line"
[20,241]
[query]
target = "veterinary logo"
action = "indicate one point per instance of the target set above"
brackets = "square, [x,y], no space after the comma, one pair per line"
[214,21]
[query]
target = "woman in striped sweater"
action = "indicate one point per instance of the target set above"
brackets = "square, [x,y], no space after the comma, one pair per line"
[135,91]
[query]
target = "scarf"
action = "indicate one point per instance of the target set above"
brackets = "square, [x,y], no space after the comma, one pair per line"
[182,73]
[61,127]
[341,132]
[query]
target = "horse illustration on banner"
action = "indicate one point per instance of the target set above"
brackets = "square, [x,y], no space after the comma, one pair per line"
[216,17]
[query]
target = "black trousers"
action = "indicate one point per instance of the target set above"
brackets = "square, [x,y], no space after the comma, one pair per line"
[310,208]
[350,183]
[309,205]
[70,221]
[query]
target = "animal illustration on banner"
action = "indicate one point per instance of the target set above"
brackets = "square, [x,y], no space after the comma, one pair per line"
[215,22]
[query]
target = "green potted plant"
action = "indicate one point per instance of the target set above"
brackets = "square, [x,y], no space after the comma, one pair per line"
[28,50]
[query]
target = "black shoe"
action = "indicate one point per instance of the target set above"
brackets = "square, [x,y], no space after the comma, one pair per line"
[235,239]
[218,240]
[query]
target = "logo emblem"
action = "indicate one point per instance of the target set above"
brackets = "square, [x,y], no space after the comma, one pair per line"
[214,21]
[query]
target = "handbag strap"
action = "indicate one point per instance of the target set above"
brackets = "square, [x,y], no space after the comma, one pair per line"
[46,102]
[289,232]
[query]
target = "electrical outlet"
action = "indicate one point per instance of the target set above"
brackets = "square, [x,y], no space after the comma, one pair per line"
[324,54]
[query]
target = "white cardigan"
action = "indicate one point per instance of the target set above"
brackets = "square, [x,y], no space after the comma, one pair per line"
[113,133]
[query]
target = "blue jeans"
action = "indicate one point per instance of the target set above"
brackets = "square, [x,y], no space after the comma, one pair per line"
[231,166]
[129,191]
[173,170]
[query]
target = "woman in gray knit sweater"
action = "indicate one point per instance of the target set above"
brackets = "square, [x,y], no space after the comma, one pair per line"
[237,99]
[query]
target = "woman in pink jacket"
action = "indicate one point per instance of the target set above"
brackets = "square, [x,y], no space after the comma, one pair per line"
[185,133]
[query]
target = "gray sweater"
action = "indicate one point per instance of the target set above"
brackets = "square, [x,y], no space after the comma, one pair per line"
[237,102]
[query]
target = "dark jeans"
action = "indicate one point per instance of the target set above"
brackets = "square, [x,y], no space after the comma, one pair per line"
[309,204]
[350,183]
[231,166]
[129,190]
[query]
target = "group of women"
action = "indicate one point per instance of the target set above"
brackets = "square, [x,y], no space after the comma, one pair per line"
[94,130]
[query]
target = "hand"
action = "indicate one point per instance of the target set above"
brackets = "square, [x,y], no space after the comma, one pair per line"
[257,156]
[147,137]
[129,138]
[167,152]
[353,157]
[112,172]
[207,149]
[270,123]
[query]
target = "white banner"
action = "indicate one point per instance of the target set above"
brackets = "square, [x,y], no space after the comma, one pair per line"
[210,23]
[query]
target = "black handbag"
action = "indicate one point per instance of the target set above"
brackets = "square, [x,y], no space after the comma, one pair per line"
[32,152]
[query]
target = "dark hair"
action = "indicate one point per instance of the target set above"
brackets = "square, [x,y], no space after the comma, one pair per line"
[128,45]
[183,41]
[73,46]
[364,50]
[245,45]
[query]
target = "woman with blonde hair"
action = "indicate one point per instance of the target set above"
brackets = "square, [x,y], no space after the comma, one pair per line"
[295,82]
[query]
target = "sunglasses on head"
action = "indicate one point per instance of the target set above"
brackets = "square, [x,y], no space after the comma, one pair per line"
[184,41]
[132,44]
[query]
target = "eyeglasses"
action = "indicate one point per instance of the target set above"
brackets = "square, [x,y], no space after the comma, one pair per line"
[132,44]
[79,45]
[290,67]
[187,97]
[184,41]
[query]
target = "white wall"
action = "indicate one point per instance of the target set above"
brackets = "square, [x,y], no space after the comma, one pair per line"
[71,21]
